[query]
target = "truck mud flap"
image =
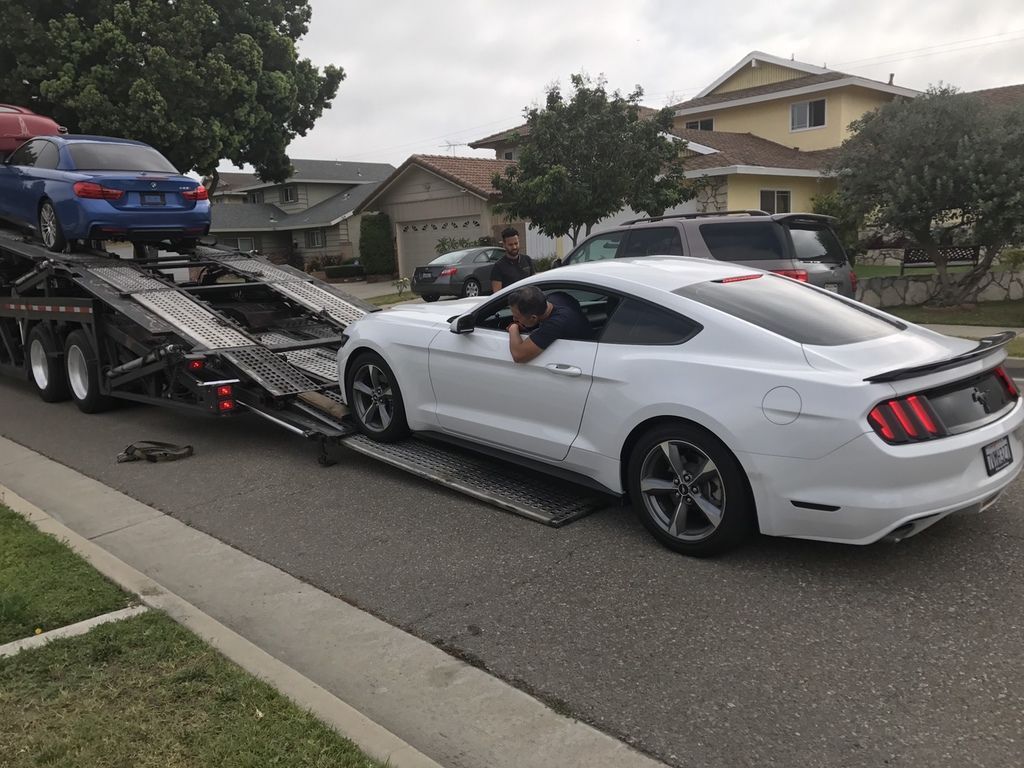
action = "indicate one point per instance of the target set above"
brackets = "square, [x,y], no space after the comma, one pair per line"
[523,491]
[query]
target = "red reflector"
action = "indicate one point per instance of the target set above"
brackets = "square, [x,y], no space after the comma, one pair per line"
[879,423]
[738,279]
[853,281]
[922,414]
[196,365]
[226,405]
[199,193]
[1009,383]
[449,271]
[90,190]
[796,274]
[225,391]
[905,422]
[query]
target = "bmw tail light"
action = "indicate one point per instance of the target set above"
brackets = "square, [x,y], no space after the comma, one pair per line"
[90,190]
[796,274]
[198,193]
[449,271]
[906,420]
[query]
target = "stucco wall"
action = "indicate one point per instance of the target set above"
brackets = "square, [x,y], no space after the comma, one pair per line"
[744,191]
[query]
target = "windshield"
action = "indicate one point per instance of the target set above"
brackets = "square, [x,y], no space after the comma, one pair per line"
[812,242]
[450,258]
[792,310]
[118,157]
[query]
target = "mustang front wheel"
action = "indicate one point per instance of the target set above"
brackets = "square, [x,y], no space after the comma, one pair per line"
[375,399]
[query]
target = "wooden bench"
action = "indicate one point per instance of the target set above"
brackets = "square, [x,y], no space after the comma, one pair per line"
[917,257]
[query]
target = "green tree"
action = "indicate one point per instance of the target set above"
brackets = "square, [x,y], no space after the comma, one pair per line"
[942,168]
[583,159]
[376,246]
[201,80]
[847,222]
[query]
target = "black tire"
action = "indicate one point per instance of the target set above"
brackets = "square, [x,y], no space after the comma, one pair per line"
[471,287]
[50,231]
[375,400]
[83,373]
[714,514]
[431,297]
[44,365]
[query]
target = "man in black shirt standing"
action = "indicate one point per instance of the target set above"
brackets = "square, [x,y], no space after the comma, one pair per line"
[547,318]
[513,266]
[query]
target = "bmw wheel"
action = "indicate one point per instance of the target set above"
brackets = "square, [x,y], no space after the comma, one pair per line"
[50,230]
[689,490]
[44,365]
[471,288]
[375,399]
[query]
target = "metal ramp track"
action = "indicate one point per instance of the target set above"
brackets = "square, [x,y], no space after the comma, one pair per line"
[270,370]
[518,490]
[321,362]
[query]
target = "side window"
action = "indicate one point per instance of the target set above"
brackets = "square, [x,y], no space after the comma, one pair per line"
[26,154]
[48,156]
[652,241]
[597,248]
[637,322]
[494,255]
[744,242]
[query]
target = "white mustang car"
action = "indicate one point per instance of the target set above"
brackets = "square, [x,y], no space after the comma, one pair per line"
[720,398]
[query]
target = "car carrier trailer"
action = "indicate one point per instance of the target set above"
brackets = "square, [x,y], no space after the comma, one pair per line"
[222,333]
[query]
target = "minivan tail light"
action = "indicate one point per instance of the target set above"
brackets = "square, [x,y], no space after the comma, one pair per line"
[90,190]
[198,193]
[449,271]
[906,420]
[853,281]
[796,274]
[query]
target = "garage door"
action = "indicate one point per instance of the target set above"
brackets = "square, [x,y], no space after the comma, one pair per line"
[417,240]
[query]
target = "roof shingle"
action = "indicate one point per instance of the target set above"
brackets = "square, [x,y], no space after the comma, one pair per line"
[748,149]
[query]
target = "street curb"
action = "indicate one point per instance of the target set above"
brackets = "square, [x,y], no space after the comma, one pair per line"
[372,738]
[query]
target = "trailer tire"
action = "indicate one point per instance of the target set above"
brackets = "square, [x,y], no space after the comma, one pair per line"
[50,230]
[83,372]
[376,406]
[44,365]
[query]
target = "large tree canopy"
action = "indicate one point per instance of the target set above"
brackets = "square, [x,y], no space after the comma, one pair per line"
[201,80]
[584,159]
[943,168]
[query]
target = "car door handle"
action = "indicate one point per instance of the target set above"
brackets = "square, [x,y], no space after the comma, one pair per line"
[564,370]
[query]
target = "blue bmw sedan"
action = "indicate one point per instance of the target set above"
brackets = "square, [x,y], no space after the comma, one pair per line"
[70,188]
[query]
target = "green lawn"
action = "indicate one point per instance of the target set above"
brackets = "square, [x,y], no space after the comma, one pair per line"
[1005,313]
[147,693]
[44,585]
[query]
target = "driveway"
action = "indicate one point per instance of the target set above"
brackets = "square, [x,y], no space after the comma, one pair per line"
[786,653]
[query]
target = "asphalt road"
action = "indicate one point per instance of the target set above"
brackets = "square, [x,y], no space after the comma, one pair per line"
[786,653]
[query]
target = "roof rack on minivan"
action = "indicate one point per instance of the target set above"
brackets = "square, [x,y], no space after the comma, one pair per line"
[747,212]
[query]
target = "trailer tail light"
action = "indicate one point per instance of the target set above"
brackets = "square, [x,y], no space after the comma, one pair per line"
[90,190]
[906,420]
[449,271]
[198,193]
[225,391]
[226,405]
[796,274]
[196,365]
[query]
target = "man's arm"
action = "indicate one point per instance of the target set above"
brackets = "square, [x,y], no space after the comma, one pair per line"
[495,286]
[522,350]
[496,281]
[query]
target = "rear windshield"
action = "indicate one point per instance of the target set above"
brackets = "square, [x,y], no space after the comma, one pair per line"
[118,157]
[793,310]
[750,241]
[813,242]
[450,258]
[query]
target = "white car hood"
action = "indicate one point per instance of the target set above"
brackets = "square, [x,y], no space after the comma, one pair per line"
[439,311]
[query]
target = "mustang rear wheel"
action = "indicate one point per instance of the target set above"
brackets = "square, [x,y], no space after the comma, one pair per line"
[45,365]
[689,490]
[375,399]
[50,231]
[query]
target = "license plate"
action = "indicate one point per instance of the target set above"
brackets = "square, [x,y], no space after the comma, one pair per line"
[152,198]
[834,287]
[997,455]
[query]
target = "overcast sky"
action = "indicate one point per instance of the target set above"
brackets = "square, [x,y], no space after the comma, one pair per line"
[424,74]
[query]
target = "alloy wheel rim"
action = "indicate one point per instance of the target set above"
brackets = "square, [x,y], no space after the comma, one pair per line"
[49,225]
[682,490]
[373,397]
[78,373]
[40,365]
[472,289]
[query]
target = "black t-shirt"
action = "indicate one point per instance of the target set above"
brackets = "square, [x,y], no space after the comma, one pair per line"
[567,321]
[506,271]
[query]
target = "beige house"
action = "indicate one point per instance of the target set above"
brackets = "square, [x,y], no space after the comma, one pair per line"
[310,215]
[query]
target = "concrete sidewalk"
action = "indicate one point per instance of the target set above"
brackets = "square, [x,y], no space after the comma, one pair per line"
[396,696]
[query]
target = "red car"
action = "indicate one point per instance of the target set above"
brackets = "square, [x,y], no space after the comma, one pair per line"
[18,125]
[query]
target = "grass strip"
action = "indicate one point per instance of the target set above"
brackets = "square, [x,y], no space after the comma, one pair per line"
[44,584]
[1009,314]
[147,693]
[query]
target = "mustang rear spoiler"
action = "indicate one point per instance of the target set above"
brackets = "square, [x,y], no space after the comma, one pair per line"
[985,346]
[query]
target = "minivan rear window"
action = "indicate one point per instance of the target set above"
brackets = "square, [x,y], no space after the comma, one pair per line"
[750,241]
[813,242]
[793,310]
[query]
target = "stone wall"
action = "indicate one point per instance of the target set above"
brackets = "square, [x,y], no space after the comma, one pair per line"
[910,290]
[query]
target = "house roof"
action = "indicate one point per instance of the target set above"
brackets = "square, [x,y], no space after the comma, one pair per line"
[232,217]
[316,172]
[1007,96]
[745,150]
[233,182]
[503,137]
[762,90]
[474,174]
[767,58]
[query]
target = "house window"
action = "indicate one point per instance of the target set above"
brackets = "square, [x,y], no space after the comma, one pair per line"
[314,238]
[289,194]
[508,155]
[775,200]
[705,124]
[255,197]
[246,244]
[807,114]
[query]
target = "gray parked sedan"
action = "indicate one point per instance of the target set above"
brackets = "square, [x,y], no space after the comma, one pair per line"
[459,273]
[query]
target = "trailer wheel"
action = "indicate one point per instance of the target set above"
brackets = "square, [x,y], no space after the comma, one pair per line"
[50,230]
[44,365]
[83,369]
[375,399]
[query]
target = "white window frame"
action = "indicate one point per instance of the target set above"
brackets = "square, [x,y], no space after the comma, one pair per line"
[775,200]
[805,107]
[314,238]
[694,125]
[243,241]
[290,193]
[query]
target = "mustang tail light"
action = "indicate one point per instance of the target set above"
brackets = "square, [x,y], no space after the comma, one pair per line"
[796,274]
[1011,386]
[90,190]
[199,193]
[906,420]
[449,271]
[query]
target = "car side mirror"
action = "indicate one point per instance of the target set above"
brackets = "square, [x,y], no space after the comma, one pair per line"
[462,324]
